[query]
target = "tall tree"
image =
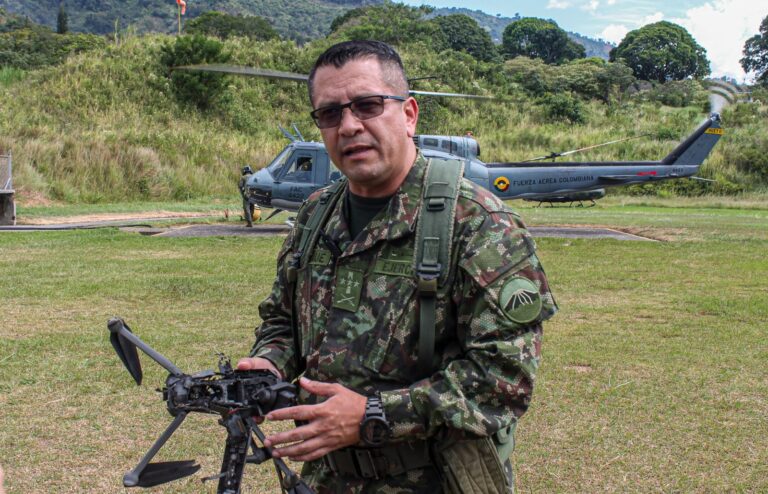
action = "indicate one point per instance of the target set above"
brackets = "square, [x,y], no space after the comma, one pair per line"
[662,52]
[538,38]
[463,33]
[756,54]
[62,20]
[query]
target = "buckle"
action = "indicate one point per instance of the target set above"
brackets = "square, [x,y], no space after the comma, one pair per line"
[428,275]
[365,464]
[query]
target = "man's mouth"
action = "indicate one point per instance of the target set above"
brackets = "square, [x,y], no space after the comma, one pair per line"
[355,150]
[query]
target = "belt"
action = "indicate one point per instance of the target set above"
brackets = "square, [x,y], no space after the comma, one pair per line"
[375,463]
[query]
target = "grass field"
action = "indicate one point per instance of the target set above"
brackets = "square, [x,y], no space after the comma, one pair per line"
[654,376]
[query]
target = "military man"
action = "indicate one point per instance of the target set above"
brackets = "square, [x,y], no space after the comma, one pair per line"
[248,208]
[347,317]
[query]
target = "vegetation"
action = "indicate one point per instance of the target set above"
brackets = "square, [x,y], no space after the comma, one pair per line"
[638,373]
[222,25]
[756,54]
[538,38]
[463,33]
[662,52]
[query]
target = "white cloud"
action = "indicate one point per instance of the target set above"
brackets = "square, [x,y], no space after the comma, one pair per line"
[558,4]
[614,33]
[722,28]
[591,5]
[611,2]
[650,19]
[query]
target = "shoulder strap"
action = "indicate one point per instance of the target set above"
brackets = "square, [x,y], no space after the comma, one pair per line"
[434,239]
[307,239]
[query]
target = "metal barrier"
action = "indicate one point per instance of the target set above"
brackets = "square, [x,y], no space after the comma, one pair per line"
[6,177]
[7,204]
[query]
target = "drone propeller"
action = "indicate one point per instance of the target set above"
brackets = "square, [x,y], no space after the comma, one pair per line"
[166,471]
[293,76]
[554,155]
[125,349]
[125,343]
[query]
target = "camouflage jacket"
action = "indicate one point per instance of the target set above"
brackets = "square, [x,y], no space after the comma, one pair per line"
[359,314]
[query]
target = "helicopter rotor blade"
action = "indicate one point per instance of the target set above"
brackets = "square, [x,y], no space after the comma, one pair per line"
[243,70]
[125,349]
[554,155]
[451,95]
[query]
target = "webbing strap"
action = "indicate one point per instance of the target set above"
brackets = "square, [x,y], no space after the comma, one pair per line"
[434,235]
[307,240]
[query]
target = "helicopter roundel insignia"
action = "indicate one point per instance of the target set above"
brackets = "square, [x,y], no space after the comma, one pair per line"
[501,183]
[520,300]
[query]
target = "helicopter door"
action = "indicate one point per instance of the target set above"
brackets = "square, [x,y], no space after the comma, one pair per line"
[297,180]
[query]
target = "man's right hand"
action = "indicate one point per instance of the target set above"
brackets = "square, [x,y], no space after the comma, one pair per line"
[258,363]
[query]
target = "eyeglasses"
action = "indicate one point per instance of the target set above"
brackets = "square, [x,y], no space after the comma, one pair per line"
[362,108]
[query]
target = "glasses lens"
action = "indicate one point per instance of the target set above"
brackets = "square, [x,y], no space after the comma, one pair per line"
[327,117]
[366,108]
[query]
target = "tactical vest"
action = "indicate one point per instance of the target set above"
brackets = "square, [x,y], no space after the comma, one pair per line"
[432,257]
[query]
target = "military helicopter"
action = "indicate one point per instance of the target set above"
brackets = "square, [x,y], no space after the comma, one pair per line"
[303,166]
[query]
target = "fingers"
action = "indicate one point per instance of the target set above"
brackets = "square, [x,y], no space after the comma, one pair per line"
[257,363]
[319,388]
[300,412]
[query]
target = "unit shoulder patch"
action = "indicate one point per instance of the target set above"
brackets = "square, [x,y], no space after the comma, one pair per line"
[520,300]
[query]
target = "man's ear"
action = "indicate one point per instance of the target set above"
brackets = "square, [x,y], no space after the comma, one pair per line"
[411,109]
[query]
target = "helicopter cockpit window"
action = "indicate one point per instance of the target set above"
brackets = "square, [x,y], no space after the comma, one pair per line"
[430,142]
[447,146]
[277,163]
[300,170]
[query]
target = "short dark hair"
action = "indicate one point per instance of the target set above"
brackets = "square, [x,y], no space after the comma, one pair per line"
[341,53]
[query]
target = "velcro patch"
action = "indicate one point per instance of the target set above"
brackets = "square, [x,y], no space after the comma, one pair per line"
[520,300]
[349,285]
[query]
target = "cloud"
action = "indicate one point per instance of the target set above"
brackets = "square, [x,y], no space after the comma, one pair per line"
[591,5]
[722,28]
[614,33]
[650,19]
[558,4]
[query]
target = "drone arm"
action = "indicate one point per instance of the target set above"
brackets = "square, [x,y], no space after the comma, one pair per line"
[133,477]
[117,326]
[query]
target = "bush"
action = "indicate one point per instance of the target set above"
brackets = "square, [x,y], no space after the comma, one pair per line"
[678,94]
[564,106]
[225,26]
[198,88]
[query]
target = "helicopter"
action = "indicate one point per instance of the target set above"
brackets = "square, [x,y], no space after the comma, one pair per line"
[303,166]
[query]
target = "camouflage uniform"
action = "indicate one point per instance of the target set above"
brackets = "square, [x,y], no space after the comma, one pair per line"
[359,320]
[247,206]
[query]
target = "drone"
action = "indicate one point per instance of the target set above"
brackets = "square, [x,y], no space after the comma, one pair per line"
[237,396]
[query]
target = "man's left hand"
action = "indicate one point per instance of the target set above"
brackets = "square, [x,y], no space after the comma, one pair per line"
[330,425]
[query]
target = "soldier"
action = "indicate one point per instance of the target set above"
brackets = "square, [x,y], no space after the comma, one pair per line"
[247,206]
[407,384]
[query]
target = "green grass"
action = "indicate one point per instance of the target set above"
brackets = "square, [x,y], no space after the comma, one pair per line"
[653,379]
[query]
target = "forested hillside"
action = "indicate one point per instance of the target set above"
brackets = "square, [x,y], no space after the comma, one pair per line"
[108,124]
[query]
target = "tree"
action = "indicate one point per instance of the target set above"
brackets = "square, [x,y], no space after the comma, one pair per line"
[538,38]
[463,33]
[756,54]
[198,88]
[222,25]
[392,23]
[662,52]
[62,20]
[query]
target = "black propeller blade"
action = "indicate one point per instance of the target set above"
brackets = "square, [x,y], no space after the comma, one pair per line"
[125,349]
[166,471]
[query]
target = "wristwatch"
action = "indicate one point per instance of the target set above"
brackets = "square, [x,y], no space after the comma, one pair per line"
[374,428]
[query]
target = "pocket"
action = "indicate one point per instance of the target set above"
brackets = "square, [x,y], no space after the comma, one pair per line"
[472,466]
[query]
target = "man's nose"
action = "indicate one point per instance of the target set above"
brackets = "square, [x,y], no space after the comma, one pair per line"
[349,124]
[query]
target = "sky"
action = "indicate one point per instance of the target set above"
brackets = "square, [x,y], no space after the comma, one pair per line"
[721,26]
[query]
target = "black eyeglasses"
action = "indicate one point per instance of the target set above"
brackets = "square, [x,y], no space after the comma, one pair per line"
[363,108]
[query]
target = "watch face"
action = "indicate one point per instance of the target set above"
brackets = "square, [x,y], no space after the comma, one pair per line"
[374,431]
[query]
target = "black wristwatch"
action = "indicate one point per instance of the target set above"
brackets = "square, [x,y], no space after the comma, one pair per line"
[374,429]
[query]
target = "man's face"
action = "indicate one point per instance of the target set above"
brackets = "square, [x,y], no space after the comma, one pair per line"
[375,154]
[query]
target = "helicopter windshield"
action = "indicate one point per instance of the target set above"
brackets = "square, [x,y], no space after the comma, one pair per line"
[279,161]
